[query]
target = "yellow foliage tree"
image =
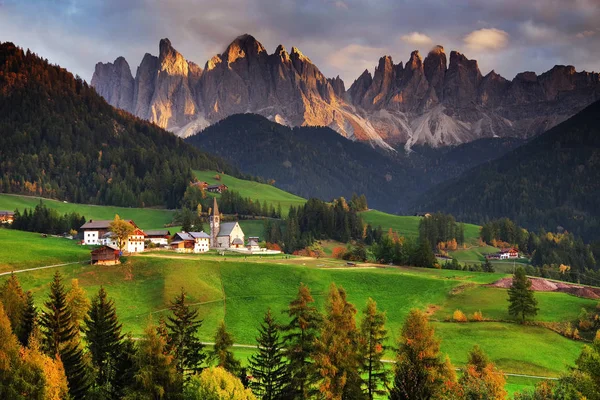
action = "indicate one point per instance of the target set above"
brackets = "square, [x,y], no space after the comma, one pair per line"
[121,229]
[459,316]
[78,302]
[216,384]
[481,379]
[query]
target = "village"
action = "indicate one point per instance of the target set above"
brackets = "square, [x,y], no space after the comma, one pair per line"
[223,236]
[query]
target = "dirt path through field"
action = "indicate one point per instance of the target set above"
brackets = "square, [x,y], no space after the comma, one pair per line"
[18,271]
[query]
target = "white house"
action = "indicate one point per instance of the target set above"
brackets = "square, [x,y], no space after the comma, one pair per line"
[98,233]
[159,237]
[135,242]
[191,242]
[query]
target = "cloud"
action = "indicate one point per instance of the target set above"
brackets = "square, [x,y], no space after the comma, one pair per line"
[351,60]
[537,32]
[486,39]
[417,38]
[585,34]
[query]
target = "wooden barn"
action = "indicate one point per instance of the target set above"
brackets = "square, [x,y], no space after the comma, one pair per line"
[106,255]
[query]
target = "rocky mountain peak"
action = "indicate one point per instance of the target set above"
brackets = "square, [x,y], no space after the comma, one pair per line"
[114,82]
[282,53]
[171,61]
[243,46]
[434,67]
[415,61]
[338,86]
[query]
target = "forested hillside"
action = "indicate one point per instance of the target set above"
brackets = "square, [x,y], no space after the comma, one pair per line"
[60,139]
[318,162]
[553,182]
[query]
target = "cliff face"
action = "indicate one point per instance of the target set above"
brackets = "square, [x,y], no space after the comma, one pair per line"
[430,101]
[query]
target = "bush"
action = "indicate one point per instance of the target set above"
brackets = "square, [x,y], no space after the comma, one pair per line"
[477,316]
[459,316]
[216,384]
[339,252]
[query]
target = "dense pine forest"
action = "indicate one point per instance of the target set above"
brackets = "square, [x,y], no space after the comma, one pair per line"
[552,182]
[60,139]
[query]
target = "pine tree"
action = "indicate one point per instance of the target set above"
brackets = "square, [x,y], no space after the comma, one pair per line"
[14,300]
[373,337]
[29,319]
[336,351]
[268,367]
[222,353]
[520,296]
[105,341]
[301,333]
[62,338]
[183,342]
[420,371]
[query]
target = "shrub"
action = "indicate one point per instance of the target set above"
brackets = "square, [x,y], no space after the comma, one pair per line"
[459,316]
[216,384]
[477,316]
[339,252]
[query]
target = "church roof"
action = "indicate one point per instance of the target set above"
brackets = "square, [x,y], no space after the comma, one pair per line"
[215,209]
[227,228]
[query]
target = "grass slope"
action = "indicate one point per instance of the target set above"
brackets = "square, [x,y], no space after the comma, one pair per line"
[145,218]
[22,250]
[408,226]
[254,190]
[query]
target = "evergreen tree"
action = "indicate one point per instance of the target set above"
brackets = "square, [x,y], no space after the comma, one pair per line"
[29,319]
[420,371]
[61,337]
[267,366]
[373,337]
[300,337]
[481,379]
[14,300]
[105,342]
[520,296]
[183,342]
[222,353]
[156,376]
[336,356]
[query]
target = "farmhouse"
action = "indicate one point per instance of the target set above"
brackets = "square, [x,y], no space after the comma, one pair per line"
[200,185]
[6,217]
[217,188]
[224,235]
[504,254]
[190,242]
[159,237]
[98,233]
[106,255]
[135,242]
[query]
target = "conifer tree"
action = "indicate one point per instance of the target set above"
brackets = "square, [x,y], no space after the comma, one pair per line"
[301,333]
[222,353]
[373,337]
[78,303]
[183,342]
[336,354]
[61,338]
[481,379]
[14,300]
[520,296]
[156,376]
[29,319]
[105,341]
[420,371]
[267,366]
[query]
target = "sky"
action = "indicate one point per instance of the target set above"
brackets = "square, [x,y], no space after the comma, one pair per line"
[342,37]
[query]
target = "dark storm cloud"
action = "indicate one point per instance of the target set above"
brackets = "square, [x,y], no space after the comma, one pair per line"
[341,36]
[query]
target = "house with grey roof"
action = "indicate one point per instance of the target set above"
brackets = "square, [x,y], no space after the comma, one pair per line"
[190,242]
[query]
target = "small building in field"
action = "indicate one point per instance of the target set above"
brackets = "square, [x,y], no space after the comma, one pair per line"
[190,242]
[106,255]
[159,237]
[253,244]
[218,188]
[93,231]
[504,254]
[6,217]
[200,185]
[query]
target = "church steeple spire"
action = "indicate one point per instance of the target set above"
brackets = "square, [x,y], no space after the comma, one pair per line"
[215,208]
[215,224]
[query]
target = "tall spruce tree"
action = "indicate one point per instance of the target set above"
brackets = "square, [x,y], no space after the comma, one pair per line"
[105,342]
[336,351]
[61,337]
[222,353]
[420,371]
[29,319]
[373,337]
[520,296]
[268,366]
[300,336]
[182,329]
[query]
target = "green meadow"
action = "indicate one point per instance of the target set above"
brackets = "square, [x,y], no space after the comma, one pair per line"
[253,190]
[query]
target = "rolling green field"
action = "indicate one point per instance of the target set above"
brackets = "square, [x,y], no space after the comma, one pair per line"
[145,218]
[240,291]
[408,226]
[254,190]
[22,250]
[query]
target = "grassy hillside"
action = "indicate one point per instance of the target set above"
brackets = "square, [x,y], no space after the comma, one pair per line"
[254,190]
[408,226]
[22,250]
[145,218]
[240,291]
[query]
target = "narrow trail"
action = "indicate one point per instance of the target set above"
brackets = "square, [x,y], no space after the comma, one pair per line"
[38,268]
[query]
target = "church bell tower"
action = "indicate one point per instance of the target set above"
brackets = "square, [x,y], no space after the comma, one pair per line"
[215,224]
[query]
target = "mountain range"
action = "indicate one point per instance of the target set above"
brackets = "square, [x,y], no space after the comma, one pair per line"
[435,101]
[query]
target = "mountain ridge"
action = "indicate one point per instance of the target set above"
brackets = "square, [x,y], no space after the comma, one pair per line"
[437,101]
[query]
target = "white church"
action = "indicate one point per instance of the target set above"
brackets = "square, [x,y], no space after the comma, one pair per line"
[226,235]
